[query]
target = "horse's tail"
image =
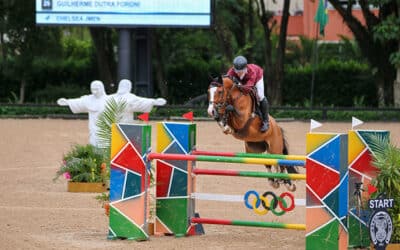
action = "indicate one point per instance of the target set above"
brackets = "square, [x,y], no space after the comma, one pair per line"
[285,151]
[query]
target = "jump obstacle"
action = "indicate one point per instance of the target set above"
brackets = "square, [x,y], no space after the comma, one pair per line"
[199,171]
[234,159]
[250,155]
[329,183]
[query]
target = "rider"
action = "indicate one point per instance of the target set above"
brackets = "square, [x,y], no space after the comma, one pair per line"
[251,75]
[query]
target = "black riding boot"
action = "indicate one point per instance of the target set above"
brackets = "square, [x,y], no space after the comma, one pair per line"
[264,111]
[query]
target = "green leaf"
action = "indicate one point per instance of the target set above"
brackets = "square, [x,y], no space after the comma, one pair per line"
[112,114]
[386,157]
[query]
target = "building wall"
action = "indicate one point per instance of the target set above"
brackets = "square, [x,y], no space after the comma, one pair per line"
[295,6]
[335,27]
[304,24]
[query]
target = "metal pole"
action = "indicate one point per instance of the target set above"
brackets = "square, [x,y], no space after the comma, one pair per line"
[124,54]
[314,65]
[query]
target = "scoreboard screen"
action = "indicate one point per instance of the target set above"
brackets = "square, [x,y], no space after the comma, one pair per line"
[125,13]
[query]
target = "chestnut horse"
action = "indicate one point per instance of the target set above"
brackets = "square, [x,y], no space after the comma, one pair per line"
[234,108]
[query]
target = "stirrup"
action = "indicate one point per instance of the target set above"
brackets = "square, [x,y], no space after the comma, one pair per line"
[264,126]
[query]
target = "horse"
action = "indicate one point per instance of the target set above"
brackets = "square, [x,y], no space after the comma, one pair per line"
[235,109]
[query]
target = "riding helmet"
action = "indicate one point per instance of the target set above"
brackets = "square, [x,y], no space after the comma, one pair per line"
[239,63]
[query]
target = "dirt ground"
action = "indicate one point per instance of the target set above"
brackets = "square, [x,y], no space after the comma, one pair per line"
[37,213]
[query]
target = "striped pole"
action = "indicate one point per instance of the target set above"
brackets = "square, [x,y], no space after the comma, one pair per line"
[248,223]
[182,157]
[231,198]
[199,171]
[250,155]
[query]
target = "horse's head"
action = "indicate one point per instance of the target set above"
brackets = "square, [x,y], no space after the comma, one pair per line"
[219,97]
[213,88]
[218,92]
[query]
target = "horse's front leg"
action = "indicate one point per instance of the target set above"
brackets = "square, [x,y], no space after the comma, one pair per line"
[224,125]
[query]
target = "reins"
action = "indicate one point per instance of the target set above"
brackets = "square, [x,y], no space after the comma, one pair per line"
[229,100]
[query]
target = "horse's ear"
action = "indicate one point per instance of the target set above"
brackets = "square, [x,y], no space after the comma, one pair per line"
[216,81]
[220,80]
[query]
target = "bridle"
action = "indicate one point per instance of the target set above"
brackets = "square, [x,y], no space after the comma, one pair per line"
[226,107]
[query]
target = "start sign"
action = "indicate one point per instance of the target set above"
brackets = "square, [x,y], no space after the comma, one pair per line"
[380,203]
[380,223]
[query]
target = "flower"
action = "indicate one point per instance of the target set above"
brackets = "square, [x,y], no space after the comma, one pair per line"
[103,167]
[67,175]
[84,163]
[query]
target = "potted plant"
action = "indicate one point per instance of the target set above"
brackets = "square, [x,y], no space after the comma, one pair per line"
[84,166]
[386,157]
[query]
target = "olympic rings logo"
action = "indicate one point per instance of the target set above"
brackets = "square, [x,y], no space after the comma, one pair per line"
[276,201]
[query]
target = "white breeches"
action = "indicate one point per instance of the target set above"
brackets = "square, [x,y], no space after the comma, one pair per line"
[260,89]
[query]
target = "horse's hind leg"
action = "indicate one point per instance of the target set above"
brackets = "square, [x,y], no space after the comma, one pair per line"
[272,181]
[280,147]
[288,182]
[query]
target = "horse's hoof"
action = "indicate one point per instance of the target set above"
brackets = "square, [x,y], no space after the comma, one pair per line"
[291,187]
[227,130]
[274,184]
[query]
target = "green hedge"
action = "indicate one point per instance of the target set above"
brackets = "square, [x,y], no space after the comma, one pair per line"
[339,115]
[15,110]
[166,112]
[337,83]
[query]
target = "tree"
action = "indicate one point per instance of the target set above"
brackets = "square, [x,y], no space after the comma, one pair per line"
[183,60]
[233,32]
[234,28]
[274,67]
[159,63]
[3,19]
[103,40]
[388,30]
[377,51]
[25,43]
[229,27]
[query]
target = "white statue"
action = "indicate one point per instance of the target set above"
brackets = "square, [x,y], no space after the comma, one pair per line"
[134,103]
[93,104]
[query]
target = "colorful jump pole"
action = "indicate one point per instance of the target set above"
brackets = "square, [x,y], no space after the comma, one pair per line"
[129,182]
[361,171]
[326,190]
[198,171]
[174,186]
[250,155]
[209,158]
[248,223]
